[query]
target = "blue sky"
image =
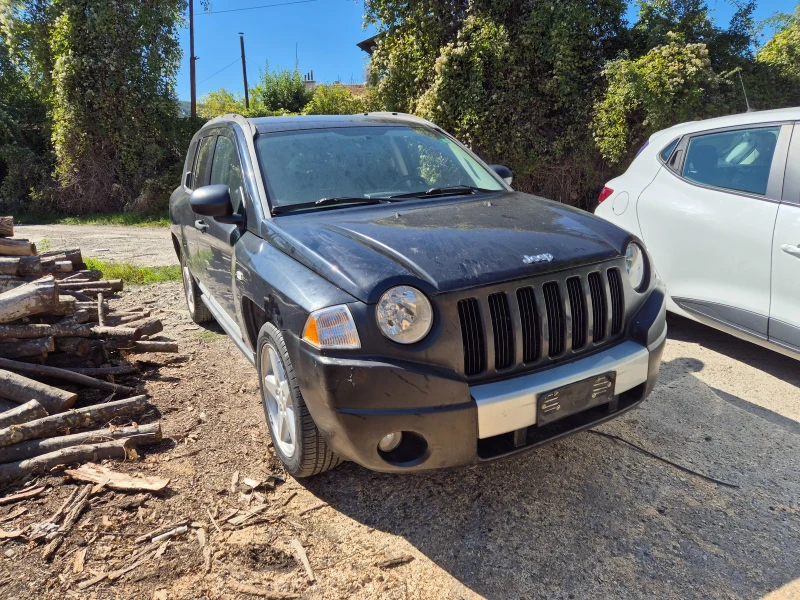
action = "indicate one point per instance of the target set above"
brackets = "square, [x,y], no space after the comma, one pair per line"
[325,31]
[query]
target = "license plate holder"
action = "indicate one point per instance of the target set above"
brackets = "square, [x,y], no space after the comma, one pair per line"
[575,397]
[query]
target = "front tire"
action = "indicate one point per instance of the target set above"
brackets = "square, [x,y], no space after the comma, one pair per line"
[295,437]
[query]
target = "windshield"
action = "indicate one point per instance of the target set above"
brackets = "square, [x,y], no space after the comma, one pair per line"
[364,162]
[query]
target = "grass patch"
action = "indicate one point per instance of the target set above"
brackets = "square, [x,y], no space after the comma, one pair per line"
[129,219]
[134,274]
[208,336]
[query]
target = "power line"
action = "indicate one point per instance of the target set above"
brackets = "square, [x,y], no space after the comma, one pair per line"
[220,71]
[230,10]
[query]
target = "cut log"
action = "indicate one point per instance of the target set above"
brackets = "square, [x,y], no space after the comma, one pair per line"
[74,345]
[9,266]
[34,330]
[30,299]
[71,254]
[29,265]
[6,226]
[79,296]
[147,326]
[66,306]
[100,371]
[59,266]
[143,435]
[21,389]
[16,247]
[23,413]
[110,285]
[40,464]
[101,313]
[117,481]
[12,348]
[155,347]
[65,375]
[91,275]
[82,417]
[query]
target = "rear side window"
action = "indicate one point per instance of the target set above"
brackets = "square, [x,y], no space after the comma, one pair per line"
[737,160]
[203,164]
[667,152]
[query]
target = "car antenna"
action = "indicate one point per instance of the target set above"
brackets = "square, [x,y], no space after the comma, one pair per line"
[744,91]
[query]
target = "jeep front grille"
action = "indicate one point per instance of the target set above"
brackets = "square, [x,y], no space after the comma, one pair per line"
[472,335]
[543,322]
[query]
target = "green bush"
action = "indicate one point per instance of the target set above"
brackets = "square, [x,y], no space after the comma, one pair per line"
[334,100]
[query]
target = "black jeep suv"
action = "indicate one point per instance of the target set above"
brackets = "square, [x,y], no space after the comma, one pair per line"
[404,307]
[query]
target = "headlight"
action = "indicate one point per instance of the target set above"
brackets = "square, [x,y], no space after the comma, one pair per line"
[331,327]
[634,263]
[404,314]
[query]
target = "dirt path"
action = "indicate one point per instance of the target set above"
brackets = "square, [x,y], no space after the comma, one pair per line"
[143,246]
[587,517]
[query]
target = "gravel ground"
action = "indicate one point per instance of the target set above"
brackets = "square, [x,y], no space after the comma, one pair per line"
[586,517]
[142,246]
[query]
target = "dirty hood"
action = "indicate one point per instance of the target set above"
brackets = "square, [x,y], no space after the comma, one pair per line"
[442,245]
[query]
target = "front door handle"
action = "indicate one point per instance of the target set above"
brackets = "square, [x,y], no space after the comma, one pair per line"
[793,250]
[201,226]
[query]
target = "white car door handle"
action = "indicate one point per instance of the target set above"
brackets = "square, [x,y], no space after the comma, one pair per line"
[793,250]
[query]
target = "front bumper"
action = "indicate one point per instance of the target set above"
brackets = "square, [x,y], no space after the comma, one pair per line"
[357,401]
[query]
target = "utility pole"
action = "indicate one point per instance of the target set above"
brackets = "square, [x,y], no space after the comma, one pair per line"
[192,58]
[244,72]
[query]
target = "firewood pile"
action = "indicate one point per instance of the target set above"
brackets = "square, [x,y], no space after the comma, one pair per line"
[62,342]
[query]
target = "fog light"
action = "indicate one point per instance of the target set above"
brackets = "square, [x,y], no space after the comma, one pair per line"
[390,442]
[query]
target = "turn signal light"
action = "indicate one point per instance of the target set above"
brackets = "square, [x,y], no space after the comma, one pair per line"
[331,327]
[607,191]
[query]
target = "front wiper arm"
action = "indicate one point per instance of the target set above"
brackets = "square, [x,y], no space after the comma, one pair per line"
[276,210]
[439,191]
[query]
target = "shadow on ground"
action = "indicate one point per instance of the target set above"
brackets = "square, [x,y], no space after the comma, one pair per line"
[588,517]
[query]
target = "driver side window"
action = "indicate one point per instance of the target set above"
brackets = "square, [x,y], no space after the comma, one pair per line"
[226,169]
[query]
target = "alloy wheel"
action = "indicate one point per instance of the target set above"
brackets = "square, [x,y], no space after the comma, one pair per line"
[280,406]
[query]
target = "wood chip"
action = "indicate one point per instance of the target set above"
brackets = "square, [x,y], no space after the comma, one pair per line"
[246,588]
[207,558]
[240,520]
[17,512]
[301,555]
[90,582]
[117,481]
[32,493]
[315,507]
[156,532]
[234,482]
[213,521]
[8,535]
[79,560]
[289,498]
[395,561]
[201,537]
[170,534]
[161,549]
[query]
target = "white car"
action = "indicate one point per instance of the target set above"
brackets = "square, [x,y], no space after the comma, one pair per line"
[717,203]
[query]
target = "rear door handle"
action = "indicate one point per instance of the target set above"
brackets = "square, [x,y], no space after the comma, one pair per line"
[201,226]
[793,250]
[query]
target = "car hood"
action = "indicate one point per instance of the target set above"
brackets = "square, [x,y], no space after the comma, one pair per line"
[442,245]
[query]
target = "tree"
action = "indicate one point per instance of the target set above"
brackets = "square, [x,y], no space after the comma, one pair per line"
[106,73]
[670,84]
[334,100]
[280,91]
[514,79]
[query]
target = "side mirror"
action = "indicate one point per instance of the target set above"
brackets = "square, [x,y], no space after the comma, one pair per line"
[214,201]
[504,172]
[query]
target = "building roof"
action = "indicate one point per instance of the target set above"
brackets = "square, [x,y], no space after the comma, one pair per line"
[369,44]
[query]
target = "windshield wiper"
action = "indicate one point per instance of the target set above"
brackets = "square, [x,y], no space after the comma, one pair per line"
[276,210]
[450,190]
